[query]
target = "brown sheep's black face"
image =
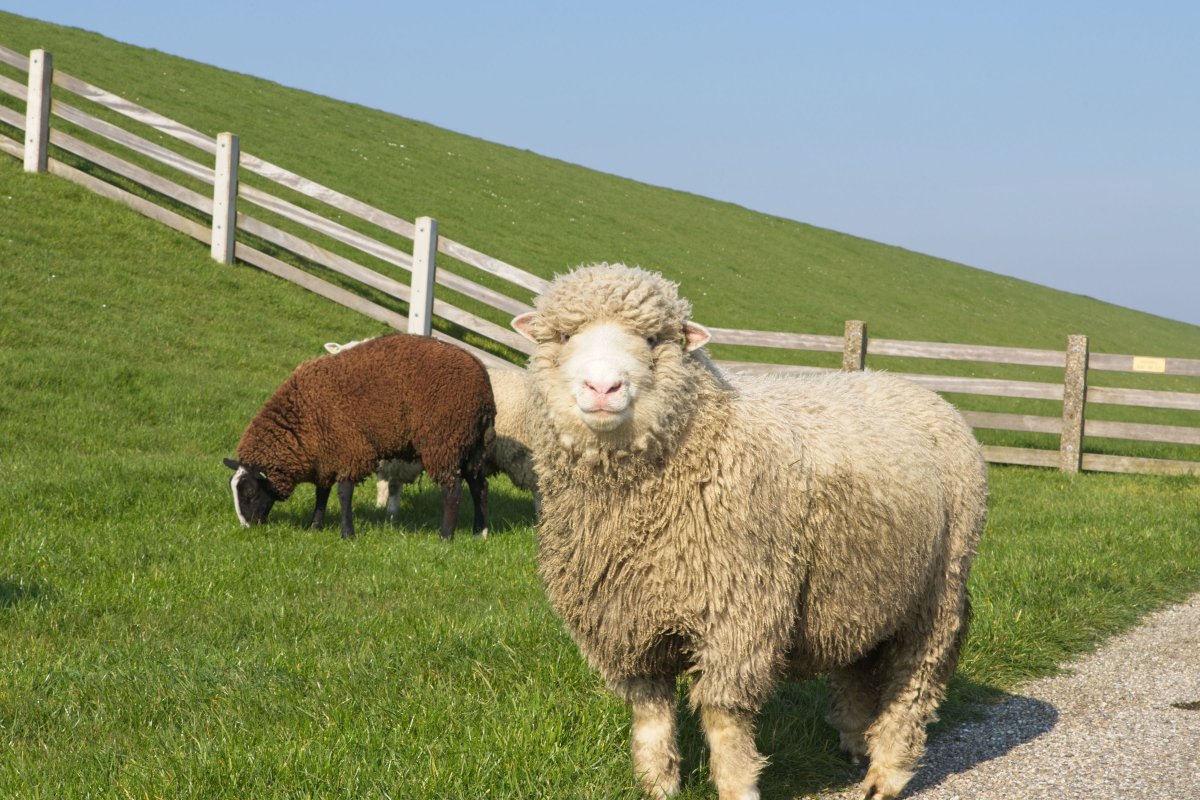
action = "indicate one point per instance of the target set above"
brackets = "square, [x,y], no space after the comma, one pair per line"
[253,496]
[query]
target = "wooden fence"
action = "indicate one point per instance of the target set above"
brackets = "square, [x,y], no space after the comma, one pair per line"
[224,219]
[221,220]
[1073,392]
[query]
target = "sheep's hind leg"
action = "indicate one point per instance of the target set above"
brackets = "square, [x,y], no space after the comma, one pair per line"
[915,672]
[451,493]
[479,501]
[318,517]
[733,762]
[383,494]
[653,739]
[854,704]
[345,498]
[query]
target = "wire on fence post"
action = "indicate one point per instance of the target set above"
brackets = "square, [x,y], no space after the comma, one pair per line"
[225,190]
[1070,446]
[37,111]
[420,304]
[854,352]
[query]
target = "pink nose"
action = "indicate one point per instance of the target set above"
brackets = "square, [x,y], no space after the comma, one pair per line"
[604,389]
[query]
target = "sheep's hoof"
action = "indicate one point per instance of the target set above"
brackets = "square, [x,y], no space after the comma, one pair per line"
[854,746]
[884,784]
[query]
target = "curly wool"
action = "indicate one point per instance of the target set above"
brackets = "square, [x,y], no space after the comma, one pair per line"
[747,530]
[396,396]
[507,452]
[645,301]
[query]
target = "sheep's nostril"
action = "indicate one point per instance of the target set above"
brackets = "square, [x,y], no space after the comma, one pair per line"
[604,389]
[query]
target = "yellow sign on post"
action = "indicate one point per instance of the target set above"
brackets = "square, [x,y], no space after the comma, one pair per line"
[1145,364]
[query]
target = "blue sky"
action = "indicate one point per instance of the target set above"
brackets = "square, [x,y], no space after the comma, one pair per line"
[1058,142]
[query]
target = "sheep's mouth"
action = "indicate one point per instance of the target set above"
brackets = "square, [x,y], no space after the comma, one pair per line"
[603,420]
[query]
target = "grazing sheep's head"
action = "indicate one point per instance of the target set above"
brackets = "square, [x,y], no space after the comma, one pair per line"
[337,347]
[253,495]
[610,339]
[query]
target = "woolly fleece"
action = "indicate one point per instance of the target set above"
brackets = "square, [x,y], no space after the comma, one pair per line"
[753,529]
[396,396]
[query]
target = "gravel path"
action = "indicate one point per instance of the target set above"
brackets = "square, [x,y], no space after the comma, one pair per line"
[1123,722]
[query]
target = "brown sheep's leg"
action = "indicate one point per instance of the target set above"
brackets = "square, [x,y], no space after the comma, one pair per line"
[653,739]
[346,498]
[318,517]
[733,761]
[451,492]
[479,500]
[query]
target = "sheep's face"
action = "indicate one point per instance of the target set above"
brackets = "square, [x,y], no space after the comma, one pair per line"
[605,367]
[253,496]
[604,374]
[610,370]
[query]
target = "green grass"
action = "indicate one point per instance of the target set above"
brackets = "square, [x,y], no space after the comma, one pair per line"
[154,648]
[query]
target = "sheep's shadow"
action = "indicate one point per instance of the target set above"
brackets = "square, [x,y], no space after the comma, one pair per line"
[996,727]
[420,508]
[980,723]
[15,593]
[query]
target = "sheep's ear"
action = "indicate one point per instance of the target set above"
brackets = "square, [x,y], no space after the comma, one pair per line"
[233,465]
[332,347]
[523,324]
[695,336]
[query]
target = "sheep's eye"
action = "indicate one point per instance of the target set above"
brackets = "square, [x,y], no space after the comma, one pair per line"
[563,338]
[652,341]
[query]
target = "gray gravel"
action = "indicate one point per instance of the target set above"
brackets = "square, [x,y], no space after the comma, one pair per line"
[1123,722]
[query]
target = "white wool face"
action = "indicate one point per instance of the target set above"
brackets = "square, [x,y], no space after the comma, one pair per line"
[604,367]
[335,347]
[237,478]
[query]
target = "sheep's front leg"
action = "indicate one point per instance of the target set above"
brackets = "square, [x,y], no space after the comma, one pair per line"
[345,499]
[653,740]
[733,761]
[318,517]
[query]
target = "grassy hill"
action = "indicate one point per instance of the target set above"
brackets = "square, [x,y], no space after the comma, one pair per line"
[151,647]
[740,268]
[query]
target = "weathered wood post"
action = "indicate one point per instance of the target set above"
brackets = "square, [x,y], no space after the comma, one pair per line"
[37,111]
[1070,447]
[420,303]
[225,190]
[854,352]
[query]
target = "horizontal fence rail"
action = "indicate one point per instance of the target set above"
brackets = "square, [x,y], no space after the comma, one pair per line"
[200,189]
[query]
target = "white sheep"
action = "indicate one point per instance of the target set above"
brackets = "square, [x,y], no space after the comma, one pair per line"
[745,531]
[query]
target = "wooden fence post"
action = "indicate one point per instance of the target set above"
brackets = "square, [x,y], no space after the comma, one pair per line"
[854,353]
[225,190]
[420,304]
[1070,447]
[37,111]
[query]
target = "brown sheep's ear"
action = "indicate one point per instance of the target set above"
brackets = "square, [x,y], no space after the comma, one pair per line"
[695,336]
[233,465]
[523,324]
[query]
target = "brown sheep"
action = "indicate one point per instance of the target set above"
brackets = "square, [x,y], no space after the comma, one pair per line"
[335,417]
